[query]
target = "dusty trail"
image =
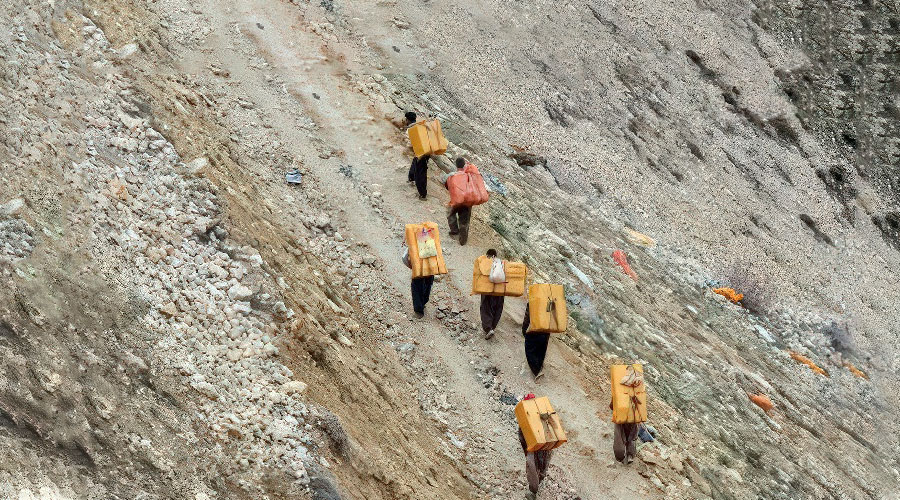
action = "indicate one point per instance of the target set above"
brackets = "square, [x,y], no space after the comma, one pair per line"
[318,85]
[212,332]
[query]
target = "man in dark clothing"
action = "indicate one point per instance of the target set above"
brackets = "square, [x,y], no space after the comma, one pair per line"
[491,307]
[418,170]
[458,217]
[536,462]
[535,347]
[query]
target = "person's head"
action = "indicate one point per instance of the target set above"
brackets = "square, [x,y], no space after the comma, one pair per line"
[491,253]
[410,117]
[460,163]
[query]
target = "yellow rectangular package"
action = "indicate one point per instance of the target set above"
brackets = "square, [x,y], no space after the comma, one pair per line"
[540,424]
[425,261]
[547,308]
[515,278]
[629,402]
[427,138]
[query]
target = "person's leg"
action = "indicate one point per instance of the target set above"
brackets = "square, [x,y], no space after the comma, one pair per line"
[536,350]
[496,311]
[619,442]
[451,220]
[416,288]
[421,177]
[631,431]
[531,472]
[542,459]
[411,176]
[426,289]
[486,313]
[465,213]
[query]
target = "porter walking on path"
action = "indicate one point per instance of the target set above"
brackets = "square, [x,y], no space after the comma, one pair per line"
[458,216]
[491,307]
[536,462]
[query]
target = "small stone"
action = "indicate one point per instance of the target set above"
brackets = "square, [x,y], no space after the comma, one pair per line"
[196,166]
[239,292]
[293,387]
[168,309]
[368,259]
[127,51]
[733,475]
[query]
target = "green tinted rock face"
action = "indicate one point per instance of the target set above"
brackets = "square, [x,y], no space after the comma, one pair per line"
[846,92]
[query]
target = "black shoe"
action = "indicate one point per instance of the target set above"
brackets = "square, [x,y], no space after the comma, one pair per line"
[420,315]
[423,198]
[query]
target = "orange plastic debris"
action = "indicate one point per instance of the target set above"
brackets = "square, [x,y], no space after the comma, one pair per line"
[620,259]
[762,401]
[729,294]
[808,362]
[856,371]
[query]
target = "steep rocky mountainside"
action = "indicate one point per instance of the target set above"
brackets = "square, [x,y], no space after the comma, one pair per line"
[178,322]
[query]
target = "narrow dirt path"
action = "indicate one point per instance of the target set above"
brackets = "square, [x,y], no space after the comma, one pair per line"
[352,150]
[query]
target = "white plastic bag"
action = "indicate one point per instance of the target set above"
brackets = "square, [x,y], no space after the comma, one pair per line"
[498,273]
[404,256]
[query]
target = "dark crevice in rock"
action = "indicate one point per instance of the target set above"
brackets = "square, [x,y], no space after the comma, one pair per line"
[840,186]
[603,21]
[817,233]
[889,225]
[705,72]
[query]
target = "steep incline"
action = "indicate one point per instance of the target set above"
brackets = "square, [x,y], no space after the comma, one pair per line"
[178,322]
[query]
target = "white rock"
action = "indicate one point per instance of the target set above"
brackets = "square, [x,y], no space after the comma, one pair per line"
[12,206]
[168,309]
[127,51]
[293,387]
[196,166]
[239,292]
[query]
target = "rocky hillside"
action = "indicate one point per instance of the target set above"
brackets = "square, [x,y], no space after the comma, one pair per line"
[176,321]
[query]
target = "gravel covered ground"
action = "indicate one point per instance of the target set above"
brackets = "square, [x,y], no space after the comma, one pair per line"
[176,321]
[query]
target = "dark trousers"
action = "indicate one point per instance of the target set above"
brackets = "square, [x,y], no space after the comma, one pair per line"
[421,291]
[418,172]
[539,460]
[491,310]
[535,344]
[623,441]
[536,350]
[458,220]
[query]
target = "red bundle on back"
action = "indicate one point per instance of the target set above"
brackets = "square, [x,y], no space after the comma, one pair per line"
[467,188]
